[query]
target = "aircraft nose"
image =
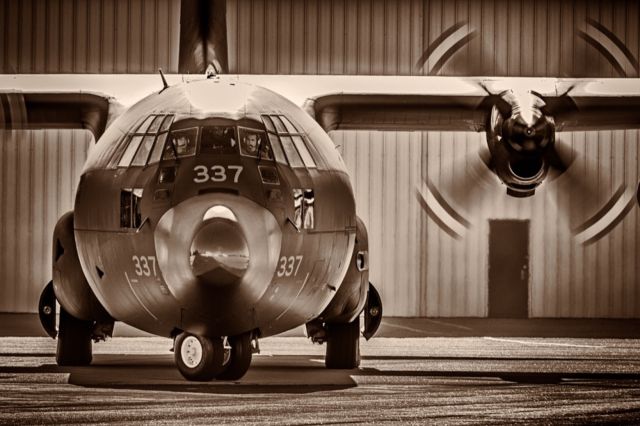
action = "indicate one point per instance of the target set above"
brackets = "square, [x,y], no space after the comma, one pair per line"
[219,253]
[217,250]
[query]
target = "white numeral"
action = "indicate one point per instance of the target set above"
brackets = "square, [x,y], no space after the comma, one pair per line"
[144,265]
[238,170]
[218,173]
[288,266]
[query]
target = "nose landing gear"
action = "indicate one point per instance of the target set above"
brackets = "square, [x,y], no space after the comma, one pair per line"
[237,357]
[199,358]
[202,358]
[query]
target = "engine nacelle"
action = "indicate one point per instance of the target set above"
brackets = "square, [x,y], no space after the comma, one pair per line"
[518,155]
[69,283]
[352,294]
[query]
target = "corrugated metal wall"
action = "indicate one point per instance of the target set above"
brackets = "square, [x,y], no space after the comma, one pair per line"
[422,271]
[86,36]
[39,172]
[513,38]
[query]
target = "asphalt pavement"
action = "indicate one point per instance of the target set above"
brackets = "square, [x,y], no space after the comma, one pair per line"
[443,380]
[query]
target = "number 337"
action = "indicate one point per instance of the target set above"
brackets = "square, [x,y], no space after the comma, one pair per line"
[144,265]
[216,173]
[288,266]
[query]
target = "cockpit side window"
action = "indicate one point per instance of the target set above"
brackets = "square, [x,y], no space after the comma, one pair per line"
[143,151]
[134,143]
[291,152]
[288,141]
[144,143]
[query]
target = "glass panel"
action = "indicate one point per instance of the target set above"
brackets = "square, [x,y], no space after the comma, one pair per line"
[184,141]
[304,152]
[169,152]
[145,124]
[277,149]
[279,124]
[290,127]
[155,125]
[143,152]
[166,123]
[218,140]
[125,208]
[290,150]
[268,123]
[269,175]
[131,150]
[157,149]
[297,208]
[250,140]
[307,203]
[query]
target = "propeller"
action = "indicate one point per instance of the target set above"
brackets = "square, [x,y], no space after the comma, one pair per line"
[203,36]
[521,150]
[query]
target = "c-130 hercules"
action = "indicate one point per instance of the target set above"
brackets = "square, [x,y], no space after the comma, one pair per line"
[216,212]
[213,212]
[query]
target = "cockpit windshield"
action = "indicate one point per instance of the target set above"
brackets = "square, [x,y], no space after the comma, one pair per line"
[182,143]
[253,143]
[219,140]
[153,141]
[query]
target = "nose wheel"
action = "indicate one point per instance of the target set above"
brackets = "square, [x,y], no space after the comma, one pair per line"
[237,359]
[202,358]
[199,358]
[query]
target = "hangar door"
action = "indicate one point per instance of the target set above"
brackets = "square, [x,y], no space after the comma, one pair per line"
[509,268]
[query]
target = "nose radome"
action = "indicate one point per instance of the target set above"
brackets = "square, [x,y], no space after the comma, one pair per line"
[219,253]
[215,244]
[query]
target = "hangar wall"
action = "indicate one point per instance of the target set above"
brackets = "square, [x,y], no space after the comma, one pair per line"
[422,271]
[39,171]
[417,266]
[419,269]
[85,36]
[510,38]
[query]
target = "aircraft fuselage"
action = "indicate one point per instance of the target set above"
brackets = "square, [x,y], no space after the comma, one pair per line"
[204,236]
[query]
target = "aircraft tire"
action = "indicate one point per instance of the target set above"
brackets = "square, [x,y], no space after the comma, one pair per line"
[239,357]
[343,345]
[74,340]
[199,358]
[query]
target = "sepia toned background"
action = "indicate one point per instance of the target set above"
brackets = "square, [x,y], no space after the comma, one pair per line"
[419,269]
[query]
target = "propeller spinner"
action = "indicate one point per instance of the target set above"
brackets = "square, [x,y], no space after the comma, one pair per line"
[521,139]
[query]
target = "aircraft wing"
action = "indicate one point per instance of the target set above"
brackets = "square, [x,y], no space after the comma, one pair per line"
[609,111]
[345,111]
[57,110]
[575,105]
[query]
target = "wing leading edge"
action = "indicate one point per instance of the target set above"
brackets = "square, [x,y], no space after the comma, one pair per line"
[61,110]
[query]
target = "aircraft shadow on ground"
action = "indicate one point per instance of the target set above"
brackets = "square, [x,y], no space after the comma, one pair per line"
[286,374]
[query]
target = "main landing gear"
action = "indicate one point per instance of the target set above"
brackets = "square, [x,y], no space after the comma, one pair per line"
[343,343]
[202,358]
[74,340]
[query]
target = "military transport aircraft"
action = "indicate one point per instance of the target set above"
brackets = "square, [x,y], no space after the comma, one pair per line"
[217,212]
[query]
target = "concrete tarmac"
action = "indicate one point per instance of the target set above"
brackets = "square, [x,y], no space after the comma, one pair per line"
[444,380]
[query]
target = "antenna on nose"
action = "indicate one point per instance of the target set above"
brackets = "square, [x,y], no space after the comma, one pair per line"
[165,85]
